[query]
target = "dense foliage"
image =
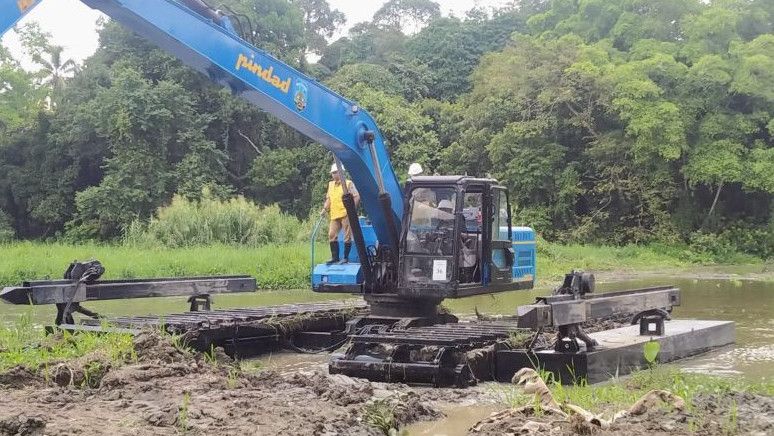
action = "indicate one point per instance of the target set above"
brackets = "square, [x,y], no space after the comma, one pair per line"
[609,120]
[211,221]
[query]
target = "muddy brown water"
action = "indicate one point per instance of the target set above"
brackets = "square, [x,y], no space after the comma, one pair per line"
[740,294]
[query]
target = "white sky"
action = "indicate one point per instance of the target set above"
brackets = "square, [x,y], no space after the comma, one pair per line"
[73,24]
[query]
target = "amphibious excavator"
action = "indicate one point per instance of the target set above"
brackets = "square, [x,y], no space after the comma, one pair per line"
[437,237]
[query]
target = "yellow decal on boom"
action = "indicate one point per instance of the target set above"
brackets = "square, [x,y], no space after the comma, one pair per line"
[267,74]
[25,4]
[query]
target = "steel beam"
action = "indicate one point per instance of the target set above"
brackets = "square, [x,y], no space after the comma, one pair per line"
[564,310]
[62,291]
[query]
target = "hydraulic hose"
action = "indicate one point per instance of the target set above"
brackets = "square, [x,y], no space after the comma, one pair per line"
[313,242]
[203,9]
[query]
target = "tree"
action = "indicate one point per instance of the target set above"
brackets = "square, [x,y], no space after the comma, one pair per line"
[277,26]
[366,43]
[19,96]
[402,77]
[616,121]
[373,76]
[320,22]
[293,178]
[408,15]
[405,129]
[451,48]
[150,155]
[54,68]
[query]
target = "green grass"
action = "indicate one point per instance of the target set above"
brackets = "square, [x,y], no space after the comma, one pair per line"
[555,260]
[288,266]
[21,344]
[381,415]
[187,223]
[275,267]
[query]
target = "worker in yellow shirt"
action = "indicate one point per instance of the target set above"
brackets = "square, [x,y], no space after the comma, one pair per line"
[338,215]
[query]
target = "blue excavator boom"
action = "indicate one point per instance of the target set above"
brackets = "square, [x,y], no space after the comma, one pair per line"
[206,41]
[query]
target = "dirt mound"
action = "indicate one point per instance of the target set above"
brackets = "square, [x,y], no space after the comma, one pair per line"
[410,408]
[749,413]
[22,426]
[19,377]
[151,346]
[84,372]
[158,357]
[166,392]
[338,389]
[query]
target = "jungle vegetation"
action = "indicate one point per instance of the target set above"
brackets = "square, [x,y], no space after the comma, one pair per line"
[611,121]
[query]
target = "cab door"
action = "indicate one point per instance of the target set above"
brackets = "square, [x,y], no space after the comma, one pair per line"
[501,257]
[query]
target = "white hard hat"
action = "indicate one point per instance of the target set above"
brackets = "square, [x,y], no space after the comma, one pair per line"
[334,168]
[415,169]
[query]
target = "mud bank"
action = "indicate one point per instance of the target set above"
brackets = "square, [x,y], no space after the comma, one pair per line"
[165,391]
[161,389]
[719,414]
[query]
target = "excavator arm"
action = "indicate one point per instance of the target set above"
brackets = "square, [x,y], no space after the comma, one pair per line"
[205,39]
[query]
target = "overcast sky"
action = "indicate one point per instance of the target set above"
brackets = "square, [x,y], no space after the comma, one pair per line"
[73,24]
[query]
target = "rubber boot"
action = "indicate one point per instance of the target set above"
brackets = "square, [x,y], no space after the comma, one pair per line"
[334,253]
[347,249]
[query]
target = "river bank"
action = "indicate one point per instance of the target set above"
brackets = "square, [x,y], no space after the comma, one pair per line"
[155,387]
[112,384]
[289,266]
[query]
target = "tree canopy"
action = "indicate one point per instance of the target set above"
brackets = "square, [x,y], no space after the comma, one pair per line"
[609,120]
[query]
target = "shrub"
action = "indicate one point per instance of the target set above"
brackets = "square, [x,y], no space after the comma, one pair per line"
[238,221]
[725,245]
[751,239]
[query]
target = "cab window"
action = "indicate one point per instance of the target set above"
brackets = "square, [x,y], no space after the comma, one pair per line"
[431,221]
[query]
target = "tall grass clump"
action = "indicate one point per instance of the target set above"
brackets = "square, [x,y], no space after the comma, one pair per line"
[209,221]
[22,344]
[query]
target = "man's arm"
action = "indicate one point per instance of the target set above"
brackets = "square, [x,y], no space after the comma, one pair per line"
[326,204]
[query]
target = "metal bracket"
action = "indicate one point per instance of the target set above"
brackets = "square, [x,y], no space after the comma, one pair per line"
[64,315]
[651,326]
[200,302]
[566,339]
[651,322]
[566,345]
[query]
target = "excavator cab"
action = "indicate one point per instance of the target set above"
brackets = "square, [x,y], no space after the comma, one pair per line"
[457,240]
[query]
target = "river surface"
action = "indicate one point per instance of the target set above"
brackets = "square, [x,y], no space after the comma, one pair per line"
[725,296]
